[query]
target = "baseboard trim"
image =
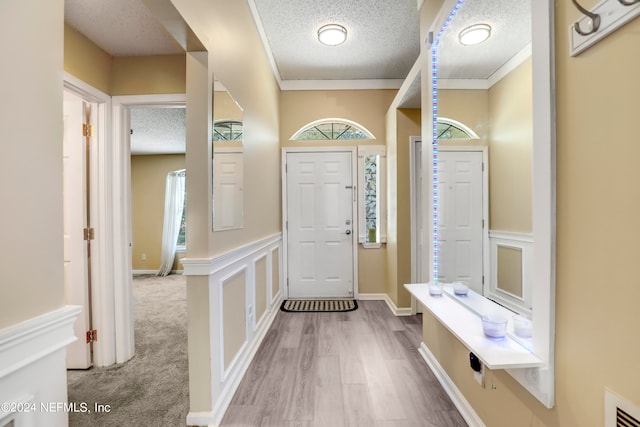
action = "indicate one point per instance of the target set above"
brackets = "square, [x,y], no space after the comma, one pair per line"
[235,375]
[404,311]
[460,402]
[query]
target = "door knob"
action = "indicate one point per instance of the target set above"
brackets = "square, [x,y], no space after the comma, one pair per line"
[348,232]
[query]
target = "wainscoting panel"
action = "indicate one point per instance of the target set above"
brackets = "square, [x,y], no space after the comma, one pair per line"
[260,269]
[244,297]
[33,374]
[233,310]
[510,278]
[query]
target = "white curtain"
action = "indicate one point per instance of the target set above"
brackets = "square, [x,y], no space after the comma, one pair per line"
[173,207]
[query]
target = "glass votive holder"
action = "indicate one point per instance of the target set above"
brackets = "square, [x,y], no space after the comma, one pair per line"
[435,289]
[461,288]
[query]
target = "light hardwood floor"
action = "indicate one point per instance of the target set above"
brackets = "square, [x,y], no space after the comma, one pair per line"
[360,368]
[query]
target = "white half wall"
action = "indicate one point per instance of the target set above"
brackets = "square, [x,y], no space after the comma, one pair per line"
[33,375]
[228,367]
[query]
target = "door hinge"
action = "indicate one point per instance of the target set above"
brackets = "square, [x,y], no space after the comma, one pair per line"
[483,223]
[87,130]
[89,233]
[92,335]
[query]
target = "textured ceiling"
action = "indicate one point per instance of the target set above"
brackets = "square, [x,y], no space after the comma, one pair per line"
[510,21]
[382,41]
[158,130]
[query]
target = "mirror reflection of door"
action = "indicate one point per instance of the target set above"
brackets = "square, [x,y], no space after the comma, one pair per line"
[461,217]
[320,225]
[228,163]
[488,87]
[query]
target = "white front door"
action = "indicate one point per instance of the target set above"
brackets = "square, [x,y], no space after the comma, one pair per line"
[460,217]
[320,200]
[76,272]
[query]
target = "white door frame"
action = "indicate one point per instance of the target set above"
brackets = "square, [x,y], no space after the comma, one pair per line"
[285,234]
[102,262]
[113,309]
[122,237]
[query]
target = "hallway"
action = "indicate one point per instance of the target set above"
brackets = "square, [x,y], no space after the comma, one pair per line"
[360,368]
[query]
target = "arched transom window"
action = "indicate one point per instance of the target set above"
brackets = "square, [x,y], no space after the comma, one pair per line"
[453,129]
[332,129]
[227,130]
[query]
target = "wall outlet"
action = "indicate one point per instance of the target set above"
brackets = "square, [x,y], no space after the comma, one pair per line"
[143,257]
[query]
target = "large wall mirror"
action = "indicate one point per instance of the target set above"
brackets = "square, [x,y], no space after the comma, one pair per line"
[228,165]
[502,89]
[487,87]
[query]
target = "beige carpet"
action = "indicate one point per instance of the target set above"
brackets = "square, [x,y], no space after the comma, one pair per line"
[152,388]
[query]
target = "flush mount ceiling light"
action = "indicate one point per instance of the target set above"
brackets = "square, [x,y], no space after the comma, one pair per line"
[332,34]
[474,34]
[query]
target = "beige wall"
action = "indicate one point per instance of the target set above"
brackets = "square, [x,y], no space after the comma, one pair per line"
[467,106]
[261,288]
[595,298]
[366,107]
[372,270]
[130,75]
[148,180]
[225,107]
[510,148]
[233,303]
[141,75]
[408,125]
[275,273]
[502,118]
[31,163]
[238,60]
[86,61]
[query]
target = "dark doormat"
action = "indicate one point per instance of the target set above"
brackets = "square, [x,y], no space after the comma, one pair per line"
[328,305]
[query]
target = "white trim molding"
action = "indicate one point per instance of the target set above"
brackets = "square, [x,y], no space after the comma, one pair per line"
[220,269]
[33,368]
[454,393]
[521,242]
[118,166]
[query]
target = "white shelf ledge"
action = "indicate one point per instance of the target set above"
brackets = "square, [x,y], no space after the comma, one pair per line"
[464,322]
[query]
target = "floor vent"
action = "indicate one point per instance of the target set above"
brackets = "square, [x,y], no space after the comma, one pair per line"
[619,412]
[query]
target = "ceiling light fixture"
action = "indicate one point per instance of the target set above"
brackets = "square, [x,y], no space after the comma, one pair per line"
[332,34]
[474,34]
